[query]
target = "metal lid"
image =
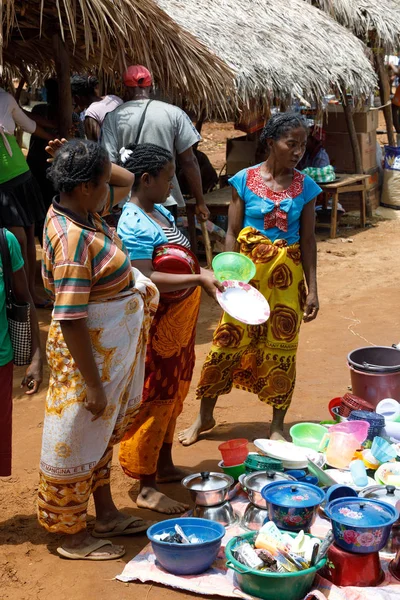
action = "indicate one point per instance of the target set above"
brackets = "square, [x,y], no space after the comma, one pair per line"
[258,480]
[207,482]
[361,512]
[293,495]
[389,494]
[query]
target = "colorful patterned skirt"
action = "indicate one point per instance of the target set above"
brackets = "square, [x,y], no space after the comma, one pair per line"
[76,451]
[261,358]
[169,369]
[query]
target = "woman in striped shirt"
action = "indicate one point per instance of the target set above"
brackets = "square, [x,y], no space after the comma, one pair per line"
[95,350]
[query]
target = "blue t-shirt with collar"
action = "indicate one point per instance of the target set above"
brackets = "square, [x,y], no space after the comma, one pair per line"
[256,207]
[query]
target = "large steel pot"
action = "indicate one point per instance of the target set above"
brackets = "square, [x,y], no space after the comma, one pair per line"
[255,482]
[208,489]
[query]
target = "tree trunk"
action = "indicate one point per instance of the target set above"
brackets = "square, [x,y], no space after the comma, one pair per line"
[348,113]
[384,90]
[61,59]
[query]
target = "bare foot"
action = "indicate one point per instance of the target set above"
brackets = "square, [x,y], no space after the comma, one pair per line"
[277,435]
[108,526]
[171,475]
[154,500]
[191,434]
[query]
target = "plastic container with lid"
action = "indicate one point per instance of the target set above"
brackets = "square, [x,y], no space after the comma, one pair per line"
[361,525]
[292,506]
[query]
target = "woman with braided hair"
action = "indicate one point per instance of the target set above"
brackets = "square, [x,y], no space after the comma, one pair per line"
[146,451]
[271,220]
[95,349]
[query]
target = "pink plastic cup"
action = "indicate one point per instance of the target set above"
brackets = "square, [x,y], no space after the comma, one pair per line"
[359,429]
[234,452]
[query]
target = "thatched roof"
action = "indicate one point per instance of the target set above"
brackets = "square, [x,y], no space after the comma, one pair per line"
[110,34]
[277,47]
[363,17]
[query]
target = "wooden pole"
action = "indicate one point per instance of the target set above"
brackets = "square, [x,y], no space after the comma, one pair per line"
[348,113]
[61,59]
[384,91]
[207,244]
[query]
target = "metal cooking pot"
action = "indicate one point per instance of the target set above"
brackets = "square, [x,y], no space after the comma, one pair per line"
[391,495]
[255,482]
[208,489]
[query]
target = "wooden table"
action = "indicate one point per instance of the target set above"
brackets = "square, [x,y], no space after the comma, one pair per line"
[345,184]
[218,203]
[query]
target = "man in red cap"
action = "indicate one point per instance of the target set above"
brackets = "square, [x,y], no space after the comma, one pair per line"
[143,120]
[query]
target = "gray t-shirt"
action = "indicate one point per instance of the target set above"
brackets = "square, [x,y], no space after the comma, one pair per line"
[165,125]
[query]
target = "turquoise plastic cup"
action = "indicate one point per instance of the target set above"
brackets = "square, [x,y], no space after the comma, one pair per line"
[232,266]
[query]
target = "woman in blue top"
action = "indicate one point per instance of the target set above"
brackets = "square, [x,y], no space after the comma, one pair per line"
[146,451]
[271,219]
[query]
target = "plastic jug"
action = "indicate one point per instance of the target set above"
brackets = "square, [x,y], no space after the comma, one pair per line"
[341,448]
[358,429]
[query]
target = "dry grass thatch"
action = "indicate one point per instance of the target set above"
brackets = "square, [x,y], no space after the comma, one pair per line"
[277,47]
[364,17]
[110,34]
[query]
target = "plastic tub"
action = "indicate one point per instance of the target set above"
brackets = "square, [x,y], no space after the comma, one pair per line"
[233,266]
[358,428]
[187,559]
[308,435]
[375,373]
[270,586]
[233,470]
[234,452]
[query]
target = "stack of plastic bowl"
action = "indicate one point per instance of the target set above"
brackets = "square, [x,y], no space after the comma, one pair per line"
[258,462]
[234,471]
[232,266]
[308,435]
[382,451]
[234,452]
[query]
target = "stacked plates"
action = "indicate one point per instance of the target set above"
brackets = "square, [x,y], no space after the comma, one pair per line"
[291,456]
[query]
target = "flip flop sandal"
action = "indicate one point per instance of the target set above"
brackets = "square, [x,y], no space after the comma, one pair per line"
[85,553]
[123,528]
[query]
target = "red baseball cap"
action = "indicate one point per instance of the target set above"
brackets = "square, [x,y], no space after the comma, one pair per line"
[137,76]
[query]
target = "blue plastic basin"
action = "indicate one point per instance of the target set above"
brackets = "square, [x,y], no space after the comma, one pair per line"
[187,559]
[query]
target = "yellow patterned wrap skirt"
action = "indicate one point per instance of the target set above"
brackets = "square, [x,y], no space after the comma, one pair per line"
[261,358]
[76,451]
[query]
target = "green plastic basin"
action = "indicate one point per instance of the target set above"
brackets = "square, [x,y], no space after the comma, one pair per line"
[271,586]
[229,266]
[308,435]
[234,470]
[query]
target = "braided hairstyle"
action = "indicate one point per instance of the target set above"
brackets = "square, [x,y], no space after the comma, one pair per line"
[81,85]
[144,158]
[280,124]
[77,161]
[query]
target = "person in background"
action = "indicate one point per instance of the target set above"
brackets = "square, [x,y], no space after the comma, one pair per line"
[395,70]
[271,220]
[86,99]
[209,176]
[21,202]
[146,450]
[315,155]
[164,125]
[95,350]
[33,374]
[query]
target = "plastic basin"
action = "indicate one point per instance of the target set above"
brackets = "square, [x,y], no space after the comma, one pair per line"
[187,559]
[233,266]
[234,470]
[308,435]
[270,586]
[234,452]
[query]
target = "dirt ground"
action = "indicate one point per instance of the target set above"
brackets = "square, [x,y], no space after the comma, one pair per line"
[359,281]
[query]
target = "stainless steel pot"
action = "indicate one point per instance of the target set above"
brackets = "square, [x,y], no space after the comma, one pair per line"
[208,489]
[391,495]
[255,482]
[254,517]
[223,513]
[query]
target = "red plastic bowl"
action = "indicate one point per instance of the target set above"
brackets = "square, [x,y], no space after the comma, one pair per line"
[234,452]
[178,260]
[334,403]
[360,570]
